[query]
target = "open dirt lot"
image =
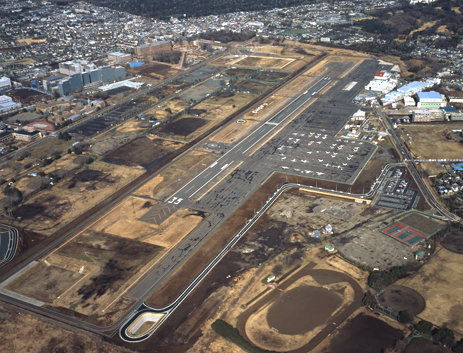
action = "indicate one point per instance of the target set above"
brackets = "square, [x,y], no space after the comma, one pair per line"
[239,72]
[25,333]
[430,169]
[430,143]
[45,212]
[200,91]
[401,298]
[421,345]
[66,163]
[165,183]
[156,113]
[124,221]
[176,105]
[453,242]
[143,151]
[440,282]
[133,126]
[186,127]
[214,111]
[25,95]
[156,69]
[45,283]
[363,333]
[264,62]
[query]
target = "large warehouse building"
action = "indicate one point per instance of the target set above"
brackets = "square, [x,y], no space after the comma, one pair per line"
[430,100]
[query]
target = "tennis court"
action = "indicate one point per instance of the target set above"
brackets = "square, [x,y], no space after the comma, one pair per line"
[404,234]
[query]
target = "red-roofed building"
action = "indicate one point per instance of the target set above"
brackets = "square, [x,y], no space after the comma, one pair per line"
[381,75]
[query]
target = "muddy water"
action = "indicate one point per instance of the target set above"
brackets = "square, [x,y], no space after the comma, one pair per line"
[302,309]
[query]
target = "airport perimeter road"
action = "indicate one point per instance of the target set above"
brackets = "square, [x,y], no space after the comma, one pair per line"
[409,162]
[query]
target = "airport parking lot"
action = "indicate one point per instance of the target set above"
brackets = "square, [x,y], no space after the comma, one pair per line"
[396,192]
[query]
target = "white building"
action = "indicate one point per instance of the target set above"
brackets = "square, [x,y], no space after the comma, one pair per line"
[382,86]
[430,100]
[409,102]
[119,58]
[7,104]
[5,83]
[76,67]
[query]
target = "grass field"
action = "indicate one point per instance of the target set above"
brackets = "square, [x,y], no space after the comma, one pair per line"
[250,86]
[440,282]
[46,148]
[230,99]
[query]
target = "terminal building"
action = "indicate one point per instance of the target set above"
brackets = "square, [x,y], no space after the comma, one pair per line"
[94,78]
[119,58]
[430,100]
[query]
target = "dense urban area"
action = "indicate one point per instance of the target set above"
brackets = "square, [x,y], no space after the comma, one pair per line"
[209,176]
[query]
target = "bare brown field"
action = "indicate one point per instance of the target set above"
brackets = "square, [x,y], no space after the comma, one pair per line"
[264,62]
[430,169]
[297,86]
[143,151]
[191,159]
[297,64]
[25,333]
[133,126]
[440,282]
[47,211]
[429,141]
[65,163]
[200,166]
[157,113]
[176,105]
[215,111]
[268,49]
[53,281]
[165,183]
[124,221]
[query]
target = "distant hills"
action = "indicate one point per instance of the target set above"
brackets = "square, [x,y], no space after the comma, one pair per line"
[194,8]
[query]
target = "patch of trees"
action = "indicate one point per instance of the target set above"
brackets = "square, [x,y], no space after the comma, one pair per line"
[405,317]
[227,36]
[172,57]
[380,279]
[232,334]
[375,26]
[192,8]
[64,136]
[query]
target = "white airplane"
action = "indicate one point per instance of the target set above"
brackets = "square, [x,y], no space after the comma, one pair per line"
[332,156]
[285,167]
[304,161]
[335,153]
[360,143]
[326,165]
[320,160]
[308,171]
[302,135]
[293,160]
[310,143]
[351,155]
[344,164]
[320,173]
[339,166]
[295,133]
[327,151]
[283,157]
[310,134]
[309,152]
[290,138]
[356,149]
[296,169]
[338,140]
[297,140]
[280,148]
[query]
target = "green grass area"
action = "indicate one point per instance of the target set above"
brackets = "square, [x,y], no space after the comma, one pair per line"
[46,148]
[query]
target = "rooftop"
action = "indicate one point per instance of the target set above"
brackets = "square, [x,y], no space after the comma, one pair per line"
[429,95]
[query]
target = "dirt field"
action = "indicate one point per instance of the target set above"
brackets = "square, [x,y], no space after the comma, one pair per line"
[165,183]
[53,281]
[66,163]
[45,212]
[156,113]
[430,169]
[157,69]
[143,151]
[230,99]
[401,298]
[25,95]
[263,62]
[124,221]
[25,333]
[192,159]
[47,148]
[214,111]
[429,141]
[440,283]
[186,126]
[363,333]
[176,105]
[453,242]
[133,126]
[250,86]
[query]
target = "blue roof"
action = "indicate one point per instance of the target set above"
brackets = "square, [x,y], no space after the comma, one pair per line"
[429,95]
[448,109]
[412,87]
[458,166]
